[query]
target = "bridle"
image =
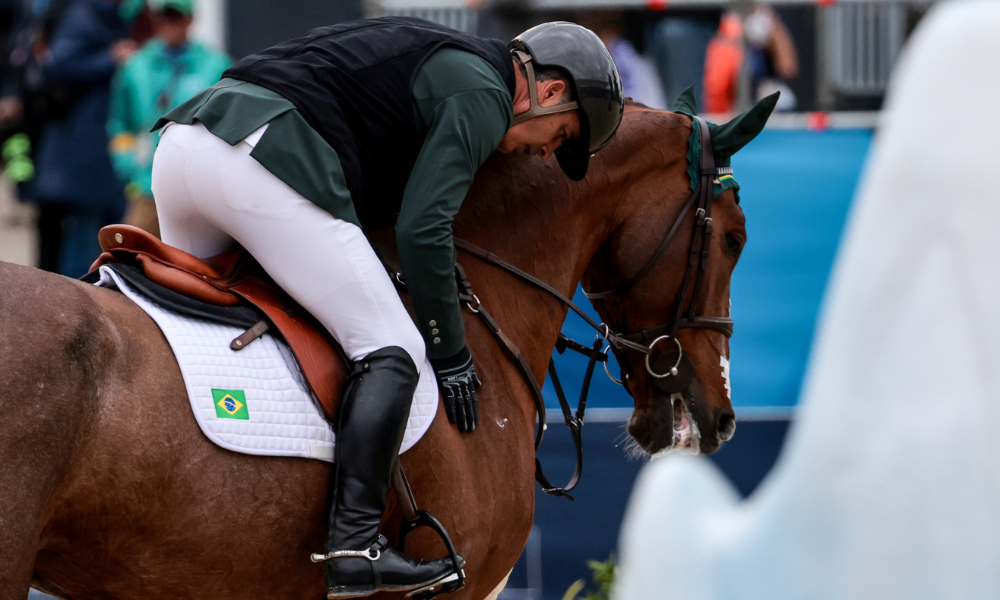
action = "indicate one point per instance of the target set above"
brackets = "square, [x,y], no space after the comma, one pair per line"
[675,369]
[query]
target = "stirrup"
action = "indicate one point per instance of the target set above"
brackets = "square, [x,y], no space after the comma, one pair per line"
[449,584]
[372,553]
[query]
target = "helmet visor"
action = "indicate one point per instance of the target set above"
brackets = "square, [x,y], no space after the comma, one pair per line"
[574,157]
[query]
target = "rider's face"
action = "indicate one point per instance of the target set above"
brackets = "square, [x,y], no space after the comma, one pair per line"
[542,135]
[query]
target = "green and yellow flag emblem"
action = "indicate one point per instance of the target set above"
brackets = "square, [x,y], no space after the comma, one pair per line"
[230,404]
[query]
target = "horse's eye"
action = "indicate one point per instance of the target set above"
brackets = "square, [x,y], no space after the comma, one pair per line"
[734,243]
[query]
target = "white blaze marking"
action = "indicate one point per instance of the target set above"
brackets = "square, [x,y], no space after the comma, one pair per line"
[724,363]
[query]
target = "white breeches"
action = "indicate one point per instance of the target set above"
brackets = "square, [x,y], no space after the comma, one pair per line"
[209,193]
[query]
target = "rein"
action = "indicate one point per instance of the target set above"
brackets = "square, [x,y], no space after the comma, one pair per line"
[684,317]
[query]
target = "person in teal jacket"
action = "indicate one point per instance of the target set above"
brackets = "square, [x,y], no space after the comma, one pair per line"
[166,72]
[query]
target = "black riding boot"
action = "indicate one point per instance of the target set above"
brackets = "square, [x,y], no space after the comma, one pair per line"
[371,423]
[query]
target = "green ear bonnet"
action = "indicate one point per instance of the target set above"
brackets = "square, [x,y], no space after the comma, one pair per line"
[726,139]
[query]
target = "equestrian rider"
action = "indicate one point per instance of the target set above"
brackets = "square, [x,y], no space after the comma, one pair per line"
[366,125]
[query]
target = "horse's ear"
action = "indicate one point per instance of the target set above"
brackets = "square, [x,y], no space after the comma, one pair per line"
[686,104]
[729,138]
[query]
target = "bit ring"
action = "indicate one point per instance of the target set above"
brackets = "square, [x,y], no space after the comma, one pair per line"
[673,370]
[605,363]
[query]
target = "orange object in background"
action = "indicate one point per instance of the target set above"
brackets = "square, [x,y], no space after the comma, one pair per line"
[723,61]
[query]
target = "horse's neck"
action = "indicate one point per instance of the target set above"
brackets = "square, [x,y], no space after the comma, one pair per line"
[550,230]
[535,218]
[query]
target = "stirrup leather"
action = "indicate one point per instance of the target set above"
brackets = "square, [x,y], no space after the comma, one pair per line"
[373,553]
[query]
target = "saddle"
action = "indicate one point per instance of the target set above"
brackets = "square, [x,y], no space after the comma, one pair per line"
[234,279]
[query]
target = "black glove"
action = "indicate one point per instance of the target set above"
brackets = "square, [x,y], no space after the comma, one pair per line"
[458,380]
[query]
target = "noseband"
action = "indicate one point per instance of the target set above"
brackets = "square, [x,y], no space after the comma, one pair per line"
[672,370]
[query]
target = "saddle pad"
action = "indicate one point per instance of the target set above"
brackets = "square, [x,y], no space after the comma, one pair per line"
[255,401]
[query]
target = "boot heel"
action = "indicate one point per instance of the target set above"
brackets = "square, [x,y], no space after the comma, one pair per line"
[349,592]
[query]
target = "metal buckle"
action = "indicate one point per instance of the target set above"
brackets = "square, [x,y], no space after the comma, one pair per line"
[673,370]
[478,304]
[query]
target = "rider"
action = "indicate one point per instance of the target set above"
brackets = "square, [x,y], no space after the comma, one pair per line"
[359,126]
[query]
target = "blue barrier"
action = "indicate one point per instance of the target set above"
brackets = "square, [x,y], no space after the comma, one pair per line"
[796,190]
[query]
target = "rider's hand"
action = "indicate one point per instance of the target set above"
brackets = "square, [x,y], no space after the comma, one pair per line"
[122,50]
[458,380]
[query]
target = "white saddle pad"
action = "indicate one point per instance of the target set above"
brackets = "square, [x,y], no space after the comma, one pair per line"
[255,401]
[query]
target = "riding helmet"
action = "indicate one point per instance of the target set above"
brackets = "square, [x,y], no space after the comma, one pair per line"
[594,78]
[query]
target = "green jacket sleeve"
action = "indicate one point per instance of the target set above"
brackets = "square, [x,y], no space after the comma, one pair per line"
[464,130]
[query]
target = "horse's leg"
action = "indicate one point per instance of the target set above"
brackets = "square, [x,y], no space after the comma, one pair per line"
[51,365]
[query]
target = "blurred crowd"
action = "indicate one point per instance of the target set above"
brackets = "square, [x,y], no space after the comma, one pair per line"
[732,57]
[82,82]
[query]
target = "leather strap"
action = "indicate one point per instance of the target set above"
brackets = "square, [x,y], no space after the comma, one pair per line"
[250,335]
[404,493]
[536,110]
[574,422]
[616,340]
[624,287]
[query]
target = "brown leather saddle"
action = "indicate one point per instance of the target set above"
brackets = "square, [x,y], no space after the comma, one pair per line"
[229,279]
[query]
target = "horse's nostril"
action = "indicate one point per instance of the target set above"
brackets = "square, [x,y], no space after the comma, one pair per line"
[727,426]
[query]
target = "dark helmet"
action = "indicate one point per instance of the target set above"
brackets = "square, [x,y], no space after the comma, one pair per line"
[595,81]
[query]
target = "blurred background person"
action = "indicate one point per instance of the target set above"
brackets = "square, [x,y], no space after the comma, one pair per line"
[752,55]
[639,77]
[772,55]
[167,71]
[677,45]
[74,184]
[723,64]
[27,100]
[12,14]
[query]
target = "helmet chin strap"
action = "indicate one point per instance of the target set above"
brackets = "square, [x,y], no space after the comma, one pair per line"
[536,110]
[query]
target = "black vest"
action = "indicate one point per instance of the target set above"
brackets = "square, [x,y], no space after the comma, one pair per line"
[353,83]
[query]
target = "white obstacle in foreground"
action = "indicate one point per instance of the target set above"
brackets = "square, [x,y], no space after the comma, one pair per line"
[889,485]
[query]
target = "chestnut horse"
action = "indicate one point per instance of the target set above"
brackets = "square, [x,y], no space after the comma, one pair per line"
[108,489]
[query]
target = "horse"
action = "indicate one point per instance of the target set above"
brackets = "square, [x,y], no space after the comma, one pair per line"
[108,488]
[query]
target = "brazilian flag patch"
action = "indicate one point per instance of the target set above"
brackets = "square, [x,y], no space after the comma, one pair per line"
[231,404]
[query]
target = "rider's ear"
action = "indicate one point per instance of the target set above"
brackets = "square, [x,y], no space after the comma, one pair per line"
[554,88]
